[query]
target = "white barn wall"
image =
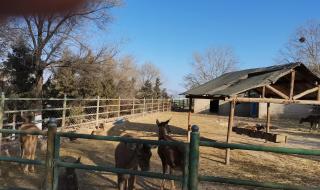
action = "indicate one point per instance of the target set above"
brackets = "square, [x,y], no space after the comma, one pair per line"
[292,111]
[201,105]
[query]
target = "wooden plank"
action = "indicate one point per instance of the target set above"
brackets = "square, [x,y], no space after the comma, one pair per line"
[306,93]
[230,125]
[268,118]
[318,97]
[293,74]
[263,91]
[277,92]
[189,119]
[272,137]
[275,100]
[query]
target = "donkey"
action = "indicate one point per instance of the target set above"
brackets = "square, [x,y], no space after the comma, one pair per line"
[69,180]
[28,143]
[312,119]
[172,157]
[131,156]
[100,130]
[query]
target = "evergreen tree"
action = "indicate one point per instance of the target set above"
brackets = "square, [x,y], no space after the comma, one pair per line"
[20,68]
[146,90]
[156,88]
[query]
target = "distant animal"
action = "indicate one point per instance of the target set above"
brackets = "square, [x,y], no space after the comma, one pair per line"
[312,119]
[28,143]
[99,130]
[72,138]
[258,127]
[172,157]
[131,156]
[68,180]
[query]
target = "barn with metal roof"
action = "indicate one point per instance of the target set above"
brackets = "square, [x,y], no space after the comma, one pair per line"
[286,84]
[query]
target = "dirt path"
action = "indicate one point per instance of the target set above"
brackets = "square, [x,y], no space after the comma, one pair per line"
[251,165]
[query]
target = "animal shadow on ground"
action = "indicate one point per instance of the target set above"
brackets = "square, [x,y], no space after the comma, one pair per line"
[149,130]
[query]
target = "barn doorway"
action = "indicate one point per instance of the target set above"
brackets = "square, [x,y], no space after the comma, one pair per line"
[214,106]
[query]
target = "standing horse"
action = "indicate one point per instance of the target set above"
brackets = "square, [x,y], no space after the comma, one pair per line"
[172,157]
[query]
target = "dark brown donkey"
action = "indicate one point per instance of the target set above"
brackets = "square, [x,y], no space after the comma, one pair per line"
[172,157]
[131,156]
[69,180]
[28,143]
[312,119]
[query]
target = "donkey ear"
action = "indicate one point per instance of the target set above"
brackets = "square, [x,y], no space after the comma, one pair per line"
[167,121]
[157,121]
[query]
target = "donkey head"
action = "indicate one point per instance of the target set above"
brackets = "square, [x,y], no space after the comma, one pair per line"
[164,128]
[143,153]
[71,177]
[302,120]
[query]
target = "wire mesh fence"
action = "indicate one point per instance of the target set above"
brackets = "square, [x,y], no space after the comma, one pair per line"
[74,113]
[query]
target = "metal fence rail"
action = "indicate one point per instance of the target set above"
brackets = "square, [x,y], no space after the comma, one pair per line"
[237,181]
[189,179]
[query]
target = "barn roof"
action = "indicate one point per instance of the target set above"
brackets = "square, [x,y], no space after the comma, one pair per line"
[235,83]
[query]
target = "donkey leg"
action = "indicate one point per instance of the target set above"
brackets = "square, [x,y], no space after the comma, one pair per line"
[164,170]
[132,180]
[24,167]
[121,182]
[173,187]
[33,153]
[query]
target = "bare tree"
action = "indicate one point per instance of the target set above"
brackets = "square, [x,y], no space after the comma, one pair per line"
[304,46]
[148,72]
[211,64]
[47,34]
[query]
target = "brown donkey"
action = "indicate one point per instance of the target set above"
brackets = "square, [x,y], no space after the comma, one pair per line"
[28,143]
[172,157]
[131,156]
[69,180]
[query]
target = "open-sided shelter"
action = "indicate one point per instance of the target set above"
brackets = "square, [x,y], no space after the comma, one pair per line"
[291,83]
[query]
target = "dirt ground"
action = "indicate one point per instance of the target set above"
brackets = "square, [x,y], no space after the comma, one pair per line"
[259,166]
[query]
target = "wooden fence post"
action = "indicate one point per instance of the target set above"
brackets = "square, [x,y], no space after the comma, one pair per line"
[64,111]
[230,125]
[14,121]
[119,107]
[133,102]
[52,130]
[158,110]
[144,106]
[1,117]
[152,105]
[162,105]
[97,111]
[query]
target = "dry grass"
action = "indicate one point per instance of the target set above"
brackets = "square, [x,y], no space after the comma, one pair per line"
[260,166]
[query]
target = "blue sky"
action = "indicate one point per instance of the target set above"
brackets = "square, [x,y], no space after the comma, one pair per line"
[168,32]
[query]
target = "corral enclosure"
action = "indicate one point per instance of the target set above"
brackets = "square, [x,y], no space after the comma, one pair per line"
[260,166]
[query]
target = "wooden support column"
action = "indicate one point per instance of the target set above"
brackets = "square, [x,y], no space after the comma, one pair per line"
[189,118]
[293,75]
[268,118]
[230,125]
[318,97]
[263,91]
